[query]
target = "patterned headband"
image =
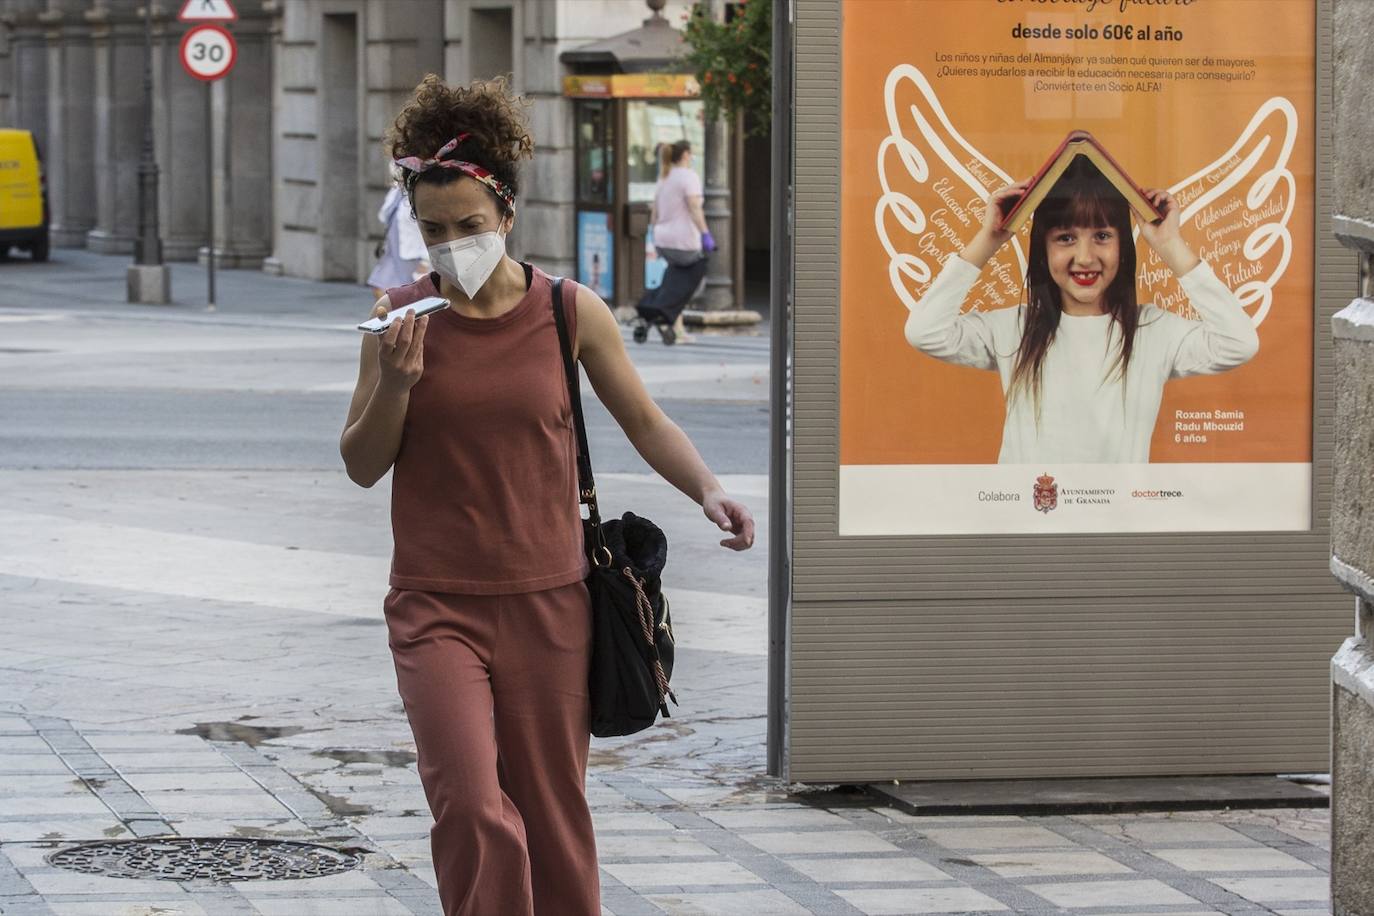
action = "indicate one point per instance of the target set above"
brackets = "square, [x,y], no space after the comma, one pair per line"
[415,166]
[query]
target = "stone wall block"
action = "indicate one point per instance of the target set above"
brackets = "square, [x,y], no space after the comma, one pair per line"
[543,235]
[1354,172]
[1352,513]
[547,178]
[300,207]
[298,67]
[551,123]
[299,114]
[1352,775]
[542,72]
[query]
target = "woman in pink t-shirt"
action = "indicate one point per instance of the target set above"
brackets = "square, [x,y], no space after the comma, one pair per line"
[678,219]
[680,238]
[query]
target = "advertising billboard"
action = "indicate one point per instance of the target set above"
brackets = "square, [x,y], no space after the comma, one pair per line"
[1136,355]
[595,253]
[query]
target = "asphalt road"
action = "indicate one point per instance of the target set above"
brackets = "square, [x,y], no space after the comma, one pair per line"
[263,382]
[131,428]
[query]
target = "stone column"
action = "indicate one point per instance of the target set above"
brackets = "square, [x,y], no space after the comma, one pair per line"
[272,9]
[117,33]
[71,122]
[29,69]
[317,138]
[544,216]
[720,274]
[1352,562]
[721,303]
[1352,510]
[242,113]
[6,65]
[403,44]
[180,140]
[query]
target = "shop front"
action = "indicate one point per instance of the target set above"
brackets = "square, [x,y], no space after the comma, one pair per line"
[620,121]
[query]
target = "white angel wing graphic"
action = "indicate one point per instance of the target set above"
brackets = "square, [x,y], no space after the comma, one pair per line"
[1235,216]
[935,184]
[934,188]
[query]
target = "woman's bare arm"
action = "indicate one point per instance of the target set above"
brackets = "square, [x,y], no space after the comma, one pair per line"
[388,365]
[660,441]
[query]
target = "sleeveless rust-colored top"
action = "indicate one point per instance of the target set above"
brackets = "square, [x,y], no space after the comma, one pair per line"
[484,488]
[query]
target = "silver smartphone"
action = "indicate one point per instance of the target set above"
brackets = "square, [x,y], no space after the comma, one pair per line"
[421,307]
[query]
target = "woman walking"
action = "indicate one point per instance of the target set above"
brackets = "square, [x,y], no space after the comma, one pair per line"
[680,238]
[401,253]
[488,616]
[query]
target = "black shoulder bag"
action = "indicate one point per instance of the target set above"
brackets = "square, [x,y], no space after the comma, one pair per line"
[632,633]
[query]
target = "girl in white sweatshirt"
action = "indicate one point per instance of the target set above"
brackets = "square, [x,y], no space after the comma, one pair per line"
[1083,366]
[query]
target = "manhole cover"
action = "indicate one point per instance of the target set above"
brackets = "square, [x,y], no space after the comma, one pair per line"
[212,859]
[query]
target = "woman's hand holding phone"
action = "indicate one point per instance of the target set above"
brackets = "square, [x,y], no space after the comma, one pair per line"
[990,238]
[401,351]
[1164,236]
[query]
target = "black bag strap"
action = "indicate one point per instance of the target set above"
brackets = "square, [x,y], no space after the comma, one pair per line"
[586,482]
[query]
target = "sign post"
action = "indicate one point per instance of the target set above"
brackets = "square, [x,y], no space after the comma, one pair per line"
[208,53]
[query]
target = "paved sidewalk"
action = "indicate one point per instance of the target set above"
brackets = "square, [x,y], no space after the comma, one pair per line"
[672,839]
[191,643]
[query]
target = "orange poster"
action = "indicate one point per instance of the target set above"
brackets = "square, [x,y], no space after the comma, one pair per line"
[1135,356]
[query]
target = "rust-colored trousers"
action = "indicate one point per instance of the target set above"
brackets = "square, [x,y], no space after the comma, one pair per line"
[495,687]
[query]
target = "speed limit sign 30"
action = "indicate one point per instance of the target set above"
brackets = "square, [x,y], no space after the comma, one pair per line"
[208,52]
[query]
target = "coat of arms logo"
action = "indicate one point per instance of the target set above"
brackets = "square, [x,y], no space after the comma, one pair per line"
[1046,493]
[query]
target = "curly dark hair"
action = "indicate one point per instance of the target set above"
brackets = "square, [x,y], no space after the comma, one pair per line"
[494,119]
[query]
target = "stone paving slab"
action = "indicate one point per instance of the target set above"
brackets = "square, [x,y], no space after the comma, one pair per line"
[191,645]
[1020,796]
[686,823]
[765,852]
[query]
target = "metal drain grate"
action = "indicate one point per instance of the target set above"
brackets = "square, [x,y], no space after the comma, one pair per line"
[205,859]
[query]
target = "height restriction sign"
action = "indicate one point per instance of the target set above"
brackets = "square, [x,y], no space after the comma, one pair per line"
[208,52]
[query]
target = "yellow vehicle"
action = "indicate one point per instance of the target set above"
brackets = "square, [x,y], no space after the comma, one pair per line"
[23,195]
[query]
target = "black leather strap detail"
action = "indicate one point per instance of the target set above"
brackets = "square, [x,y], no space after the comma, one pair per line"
[585,480]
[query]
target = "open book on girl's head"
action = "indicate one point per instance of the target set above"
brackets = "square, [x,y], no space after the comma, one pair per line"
[1077,143]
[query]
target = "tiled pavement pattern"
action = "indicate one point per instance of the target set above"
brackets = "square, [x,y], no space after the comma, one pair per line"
[668,842]
[103,682]
[222,573]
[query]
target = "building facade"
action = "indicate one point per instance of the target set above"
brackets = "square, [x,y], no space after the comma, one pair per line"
[1352,525]
[292,139]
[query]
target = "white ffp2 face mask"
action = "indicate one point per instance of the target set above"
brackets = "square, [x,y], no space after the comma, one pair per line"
[469,261]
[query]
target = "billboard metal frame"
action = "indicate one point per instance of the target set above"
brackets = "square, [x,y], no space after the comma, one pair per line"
[847,614]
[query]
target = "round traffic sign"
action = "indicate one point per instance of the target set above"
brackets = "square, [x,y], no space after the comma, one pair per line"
[208,52]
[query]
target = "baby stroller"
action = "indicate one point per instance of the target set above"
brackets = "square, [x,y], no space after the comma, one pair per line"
[661,307]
